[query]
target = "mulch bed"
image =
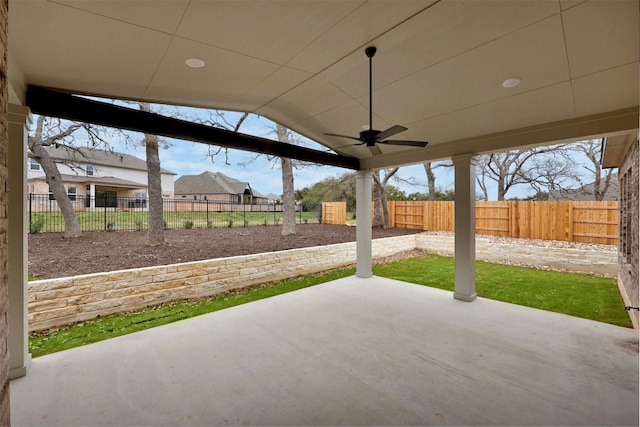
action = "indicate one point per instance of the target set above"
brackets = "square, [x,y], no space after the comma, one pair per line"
[51,256]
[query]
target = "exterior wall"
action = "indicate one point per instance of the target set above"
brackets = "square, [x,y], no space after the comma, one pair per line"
[61,301]
[138,176]
[222,198]
[628,277]
[4,225]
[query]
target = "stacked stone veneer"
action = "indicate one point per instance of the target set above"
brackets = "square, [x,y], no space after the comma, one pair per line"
[61,301]
[4,224]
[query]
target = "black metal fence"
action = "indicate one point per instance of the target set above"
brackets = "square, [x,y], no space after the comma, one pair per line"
[131,214]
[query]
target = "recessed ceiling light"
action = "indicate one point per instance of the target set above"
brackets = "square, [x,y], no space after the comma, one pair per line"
[194,62]
[512,82]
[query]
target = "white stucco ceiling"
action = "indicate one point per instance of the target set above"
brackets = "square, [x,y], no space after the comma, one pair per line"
[438,70]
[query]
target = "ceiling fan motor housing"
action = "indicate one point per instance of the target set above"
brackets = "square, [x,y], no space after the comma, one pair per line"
[369,136]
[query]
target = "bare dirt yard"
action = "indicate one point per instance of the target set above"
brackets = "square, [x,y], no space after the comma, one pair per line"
[51,256]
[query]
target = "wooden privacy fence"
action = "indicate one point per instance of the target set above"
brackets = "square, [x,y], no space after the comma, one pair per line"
[588,222]
[334,213]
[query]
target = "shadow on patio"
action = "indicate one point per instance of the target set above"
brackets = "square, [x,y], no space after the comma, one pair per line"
[349,352]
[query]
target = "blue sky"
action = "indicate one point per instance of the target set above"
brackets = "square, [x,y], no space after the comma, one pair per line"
[263,174]
[189,158]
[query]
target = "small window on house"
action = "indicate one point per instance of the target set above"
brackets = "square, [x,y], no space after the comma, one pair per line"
[33,165]
[51,196]
[166,196]
[205,198]
[72,192]
[195,197]
[89,170]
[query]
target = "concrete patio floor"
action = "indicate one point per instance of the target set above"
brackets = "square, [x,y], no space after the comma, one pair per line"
[349,352]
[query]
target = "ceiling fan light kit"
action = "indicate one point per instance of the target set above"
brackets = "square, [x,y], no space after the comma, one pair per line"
[370,137]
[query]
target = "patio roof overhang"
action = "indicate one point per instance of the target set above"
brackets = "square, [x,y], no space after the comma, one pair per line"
[440,70]
[65,105]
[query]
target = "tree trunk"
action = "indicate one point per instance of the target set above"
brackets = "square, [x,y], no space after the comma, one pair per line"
[501,190]
[378,214]
[288,195]
[431,181]
[155,231]
[385,210]
[288,198]
[56,186]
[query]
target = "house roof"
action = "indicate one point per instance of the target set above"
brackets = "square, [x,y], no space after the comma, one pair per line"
[100,158]
[614,149]
[104,180]
[439,68]
[586,192]
[211,183]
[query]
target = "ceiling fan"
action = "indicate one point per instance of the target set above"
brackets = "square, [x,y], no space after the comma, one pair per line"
[370,137]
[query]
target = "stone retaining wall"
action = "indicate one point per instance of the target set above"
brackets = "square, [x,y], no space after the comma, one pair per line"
[66,300]
[578,260]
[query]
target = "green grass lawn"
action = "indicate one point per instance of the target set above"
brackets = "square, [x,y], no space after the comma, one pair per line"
[580,295]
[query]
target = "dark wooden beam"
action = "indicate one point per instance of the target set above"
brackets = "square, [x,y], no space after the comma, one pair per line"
[67,106]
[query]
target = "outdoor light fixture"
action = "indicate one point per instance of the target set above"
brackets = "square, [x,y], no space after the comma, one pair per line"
[511,82]
[194,62]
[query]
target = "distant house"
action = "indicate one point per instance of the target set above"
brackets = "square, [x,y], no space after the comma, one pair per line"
[217,187]
[586,192]
[98,177]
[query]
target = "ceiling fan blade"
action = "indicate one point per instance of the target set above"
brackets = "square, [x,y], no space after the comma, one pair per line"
[350,145]
[391,131]
[375,150]
[404,142]
[342,136]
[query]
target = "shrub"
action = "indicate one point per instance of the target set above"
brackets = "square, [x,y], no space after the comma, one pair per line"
[264,222]
[138,224]
[305,220]
[209,223]
[111,225]
[37,225]
[188,224]
[229,223]
[165,225]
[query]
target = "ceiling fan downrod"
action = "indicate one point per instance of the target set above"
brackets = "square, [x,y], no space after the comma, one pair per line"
[370,51]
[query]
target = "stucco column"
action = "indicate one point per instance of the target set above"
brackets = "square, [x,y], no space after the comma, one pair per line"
[363,224]
[19,357]
[465,227]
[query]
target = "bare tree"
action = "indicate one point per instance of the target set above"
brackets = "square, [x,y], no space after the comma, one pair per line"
[56,133]
[155,230]
[509,169]
[380,206]
[288,195]
[553,172]
[37,144]
[431,176]
[603,179]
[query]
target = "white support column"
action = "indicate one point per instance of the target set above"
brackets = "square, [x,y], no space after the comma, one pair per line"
[363,224]
[92,196]
[465,227]
[19,357]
